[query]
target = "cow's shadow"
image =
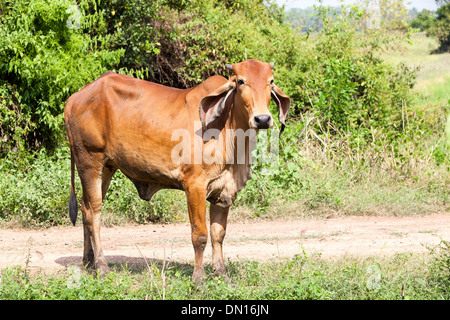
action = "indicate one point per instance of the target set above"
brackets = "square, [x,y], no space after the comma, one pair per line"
[131,264]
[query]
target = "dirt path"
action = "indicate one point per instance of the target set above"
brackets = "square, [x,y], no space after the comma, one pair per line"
[55,248]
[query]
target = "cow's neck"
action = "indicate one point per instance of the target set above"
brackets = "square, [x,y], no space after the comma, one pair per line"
[233,166]
[240,139]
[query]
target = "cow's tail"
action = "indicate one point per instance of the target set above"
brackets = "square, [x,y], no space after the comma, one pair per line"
[73,204]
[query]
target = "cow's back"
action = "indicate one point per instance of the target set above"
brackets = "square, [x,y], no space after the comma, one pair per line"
[126,122]
[129,123]
[117,102]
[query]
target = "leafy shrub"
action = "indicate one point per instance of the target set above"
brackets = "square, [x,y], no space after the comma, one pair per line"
[423,21]
[133,27]
[39,196]
[441,27]
[341,77]
[435,24]
[15,126]
[46,53]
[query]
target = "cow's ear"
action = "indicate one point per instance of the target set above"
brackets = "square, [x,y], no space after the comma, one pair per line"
[283,102]
[213,104]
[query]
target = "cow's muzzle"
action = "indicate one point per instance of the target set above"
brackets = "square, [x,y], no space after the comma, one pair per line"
[263,121]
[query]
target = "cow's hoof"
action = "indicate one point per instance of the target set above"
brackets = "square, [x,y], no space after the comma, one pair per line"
[199,277]
[220,272]
[103,271]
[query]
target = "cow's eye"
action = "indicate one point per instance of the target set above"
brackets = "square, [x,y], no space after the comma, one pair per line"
[240,82]
[271,81]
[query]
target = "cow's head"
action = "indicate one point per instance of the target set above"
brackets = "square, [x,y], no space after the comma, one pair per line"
[251,86]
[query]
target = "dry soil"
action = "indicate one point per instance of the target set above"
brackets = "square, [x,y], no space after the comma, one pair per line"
[55,248]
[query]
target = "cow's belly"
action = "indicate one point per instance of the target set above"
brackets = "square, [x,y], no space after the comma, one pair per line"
[148,173]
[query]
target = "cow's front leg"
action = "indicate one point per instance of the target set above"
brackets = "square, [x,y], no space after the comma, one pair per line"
[196,199]
[218,220]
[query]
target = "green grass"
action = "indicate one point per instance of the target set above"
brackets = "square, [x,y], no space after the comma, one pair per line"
[432,88]
[417,53]
[402,276]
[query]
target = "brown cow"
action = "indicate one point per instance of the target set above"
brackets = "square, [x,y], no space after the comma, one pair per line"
[119,122]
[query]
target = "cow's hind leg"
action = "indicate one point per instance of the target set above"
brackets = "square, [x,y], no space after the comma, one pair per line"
[91,203]
[218,221]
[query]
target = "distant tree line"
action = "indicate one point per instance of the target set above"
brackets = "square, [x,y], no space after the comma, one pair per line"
[394,16]
[436,24]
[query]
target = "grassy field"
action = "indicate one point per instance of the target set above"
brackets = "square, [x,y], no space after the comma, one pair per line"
[432,89]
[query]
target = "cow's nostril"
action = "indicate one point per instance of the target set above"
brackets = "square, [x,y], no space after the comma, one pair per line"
[262,121]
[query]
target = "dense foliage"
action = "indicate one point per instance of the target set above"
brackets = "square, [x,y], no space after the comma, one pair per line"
[424,20]
[46,54]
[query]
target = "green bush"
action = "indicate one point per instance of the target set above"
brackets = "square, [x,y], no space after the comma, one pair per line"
[15,125]
[435,24]
[423,21]
[39,196]
[47,53]
[340,77]
[132,27]
[441,27]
